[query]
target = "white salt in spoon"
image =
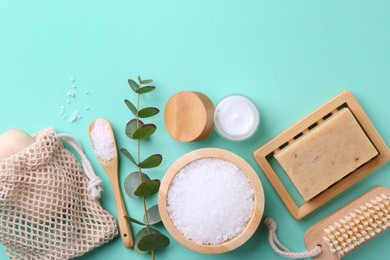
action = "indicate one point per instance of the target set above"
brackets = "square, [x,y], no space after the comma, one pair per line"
[103,142]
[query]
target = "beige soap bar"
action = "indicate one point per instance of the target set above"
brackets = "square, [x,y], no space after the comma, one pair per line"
[326,154]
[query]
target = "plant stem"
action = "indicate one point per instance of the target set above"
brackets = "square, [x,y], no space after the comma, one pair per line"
[140,174]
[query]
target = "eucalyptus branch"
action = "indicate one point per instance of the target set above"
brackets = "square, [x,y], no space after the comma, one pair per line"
[138,184]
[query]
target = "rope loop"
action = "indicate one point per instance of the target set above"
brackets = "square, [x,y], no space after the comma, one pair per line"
[282,250]
[94,182]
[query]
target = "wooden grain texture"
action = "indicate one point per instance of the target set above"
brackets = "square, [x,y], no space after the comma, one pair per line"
[315,233]
[262,155]
[246,169]
[189,116]
[111,168]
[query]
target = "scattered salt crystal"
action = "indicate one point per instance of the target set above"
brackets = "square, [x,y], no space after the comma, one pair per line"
[62,110]
[210,201]
[74,116]
[102,140]
[71,94]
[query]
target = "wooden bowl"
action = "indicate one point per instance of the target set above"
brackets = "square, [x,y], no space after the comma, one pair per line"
[258,203]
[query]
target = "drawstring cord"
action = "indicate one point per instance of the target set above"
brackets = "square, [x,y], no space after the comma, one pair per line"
[94,182]
[279,248]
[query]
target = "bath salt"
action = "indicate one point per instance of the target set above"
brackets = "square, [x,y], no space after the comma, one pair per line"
[76,115]
[210,201]
[102,142]
[71,94]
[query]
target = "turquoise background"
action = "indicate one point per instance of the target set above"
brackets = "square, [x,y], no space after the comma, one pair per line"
[289,56]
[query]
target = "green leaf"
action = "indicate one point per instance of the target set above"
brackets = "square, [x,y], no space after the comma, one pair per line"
[144,131]
[153,241]
[153,215]
[128,156]
[133,220]
[132,182]
[139,79]
[151,162]
[133,85]
[144,90]
[132,108]
[148,112]
[146,81]
[143,232]
[132,126]
[147,188]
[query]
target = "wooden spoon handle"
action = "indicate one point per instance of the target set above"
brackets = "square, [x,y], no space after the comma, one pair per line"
[124,225]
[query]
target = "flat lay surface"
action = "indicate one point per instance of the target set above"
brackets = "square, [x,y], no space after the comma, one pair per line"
[65,63]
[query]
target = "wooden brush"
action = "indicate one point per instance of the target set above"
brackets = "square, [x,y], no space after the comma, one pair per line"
[351,226]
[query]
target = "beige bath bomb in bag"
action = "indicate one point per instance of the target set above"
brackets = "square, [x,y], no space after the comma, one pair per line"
[49,205]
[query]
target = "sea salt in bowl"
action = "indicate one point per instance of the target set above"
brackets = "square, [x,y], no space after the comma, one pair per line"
[211,201]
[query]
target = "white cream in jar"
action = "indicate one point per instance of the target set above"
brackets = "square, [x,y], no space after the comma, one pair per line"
[236,118]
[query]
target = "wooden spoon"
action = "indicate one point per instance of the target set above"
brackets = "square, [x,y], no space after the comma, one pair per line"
[110,165]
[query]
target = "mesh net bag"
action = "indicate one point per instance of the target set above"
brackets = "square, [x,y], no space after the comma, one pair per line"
[49,207]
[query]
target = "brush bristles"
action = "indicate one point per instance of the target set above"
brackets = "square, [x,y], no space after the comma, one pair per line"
[363,224]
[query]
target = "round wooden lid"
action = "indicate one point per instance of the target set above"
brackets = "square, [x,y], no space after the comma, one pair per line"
[189,116]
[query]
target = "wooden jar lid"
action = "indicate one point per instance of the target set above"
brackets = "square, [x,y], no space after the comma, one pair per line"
[189,116]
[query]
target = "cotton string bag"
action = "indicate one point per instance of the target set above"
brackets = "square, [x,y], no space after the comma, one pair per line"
[49,206]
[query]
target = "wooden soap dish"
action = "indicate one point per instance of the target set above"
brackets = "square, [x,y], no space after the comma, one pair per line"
[246,169]
[264,154]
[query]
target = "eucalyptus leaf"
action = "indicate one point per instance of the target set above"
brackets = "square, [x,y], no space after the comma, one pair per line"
[132,182]
[128,156]
[153,241]
[133,85]
[132,126]
[143,232]
[146,81]
[151,162]
[133,220]
[138,250]
[132,108]
[144,90]
[144,131]
[153,215]
[148,112]
[147,188]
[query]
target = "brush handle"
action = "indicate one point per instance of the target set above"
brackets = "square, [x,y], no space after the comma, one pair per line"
[314,235]
[124,225]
